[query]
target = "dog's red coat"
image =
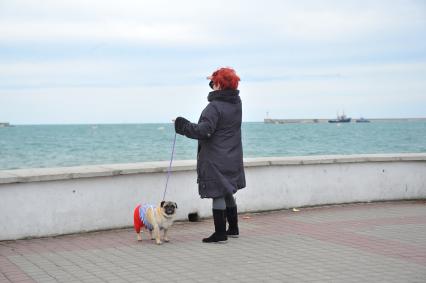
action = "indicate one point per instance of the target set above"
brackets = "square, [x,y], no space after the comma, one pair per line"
[137,220]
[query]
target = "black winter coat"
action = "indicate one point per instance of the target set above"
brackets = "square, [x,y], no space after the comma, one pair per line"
[220,168]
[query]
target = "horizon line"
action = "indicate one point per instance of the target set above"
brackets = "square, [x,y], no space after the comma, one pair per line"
[136,123]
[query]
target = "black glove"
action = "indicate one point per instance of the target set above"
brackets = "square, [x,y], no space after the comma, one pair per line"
[180,125]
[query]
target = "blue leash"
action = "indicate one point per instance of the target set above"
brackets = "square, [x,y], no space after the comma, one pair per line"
[169,171]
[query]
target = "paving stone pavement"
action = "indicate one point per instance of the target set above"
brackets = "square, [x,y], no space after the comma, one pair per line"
[374,242]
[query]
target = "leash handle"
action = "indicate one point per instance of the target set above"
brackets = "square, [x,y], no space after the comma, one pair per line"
[170,167]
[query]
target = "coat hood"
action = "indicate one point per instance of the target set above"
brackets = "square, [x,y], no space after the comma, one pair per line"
[227,95]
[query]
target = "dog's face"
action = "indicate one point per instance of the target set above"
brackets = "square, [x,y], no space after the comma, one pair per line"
[169,207]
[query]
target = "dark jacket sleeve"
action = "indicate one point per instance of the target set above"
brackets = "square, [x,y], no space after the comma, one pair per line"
[206,125]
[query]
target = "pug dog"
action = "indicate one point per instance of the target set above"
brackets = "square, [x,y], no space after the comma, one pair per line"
[154,219]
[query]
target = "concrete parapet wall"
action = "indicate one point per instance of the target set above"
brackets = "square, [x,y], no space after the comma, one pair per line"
[52,201]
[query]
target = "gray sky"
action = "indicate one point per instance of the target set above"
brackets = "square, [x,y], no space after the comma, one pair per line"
[139,61]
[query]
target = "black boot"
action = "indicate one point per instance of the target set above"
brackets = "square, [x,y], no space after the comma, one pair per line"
[219,236]
[232,216]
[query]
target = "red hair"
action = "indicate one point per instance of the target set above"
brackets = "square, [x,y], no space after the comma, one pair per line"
[226,78]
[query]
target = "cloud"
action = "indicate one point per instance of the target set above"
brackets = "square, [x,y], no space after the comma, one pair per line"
[121,31]
[132,53]
[194,22]
[101,104]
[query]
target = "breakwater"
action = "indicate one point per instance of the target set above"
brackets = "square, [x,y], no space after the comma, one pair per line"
[315,121]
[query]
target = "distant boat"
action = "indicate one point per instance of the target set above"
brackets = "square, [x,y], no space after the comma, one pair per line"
[4,125]
[362,120]
[341,119]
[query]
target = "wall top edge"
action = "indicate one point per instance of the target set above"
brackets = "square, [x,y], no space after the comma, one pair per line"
[103,170]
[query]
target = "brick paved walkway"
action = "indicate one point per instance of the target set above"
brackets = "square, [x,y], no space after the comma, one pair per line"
[378,242]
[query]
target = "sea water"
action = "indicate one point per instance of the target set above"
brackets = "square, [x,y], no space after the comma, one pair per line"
[34,146]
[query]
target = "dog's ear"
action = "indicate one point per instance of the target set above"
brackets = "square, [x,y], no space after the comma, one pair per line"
[162,203]
[175,205]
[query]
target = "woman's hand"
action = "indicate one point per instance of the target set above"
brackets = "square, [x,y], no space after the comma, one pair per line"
[180,125]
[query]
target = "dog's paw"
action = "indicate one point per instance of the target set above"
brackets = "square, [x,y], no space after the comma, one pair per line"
[139,238]
[166,240]
[159,242]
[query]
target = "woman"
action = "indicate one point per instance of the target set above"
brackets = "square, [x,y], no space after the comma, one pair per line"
[220,168]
